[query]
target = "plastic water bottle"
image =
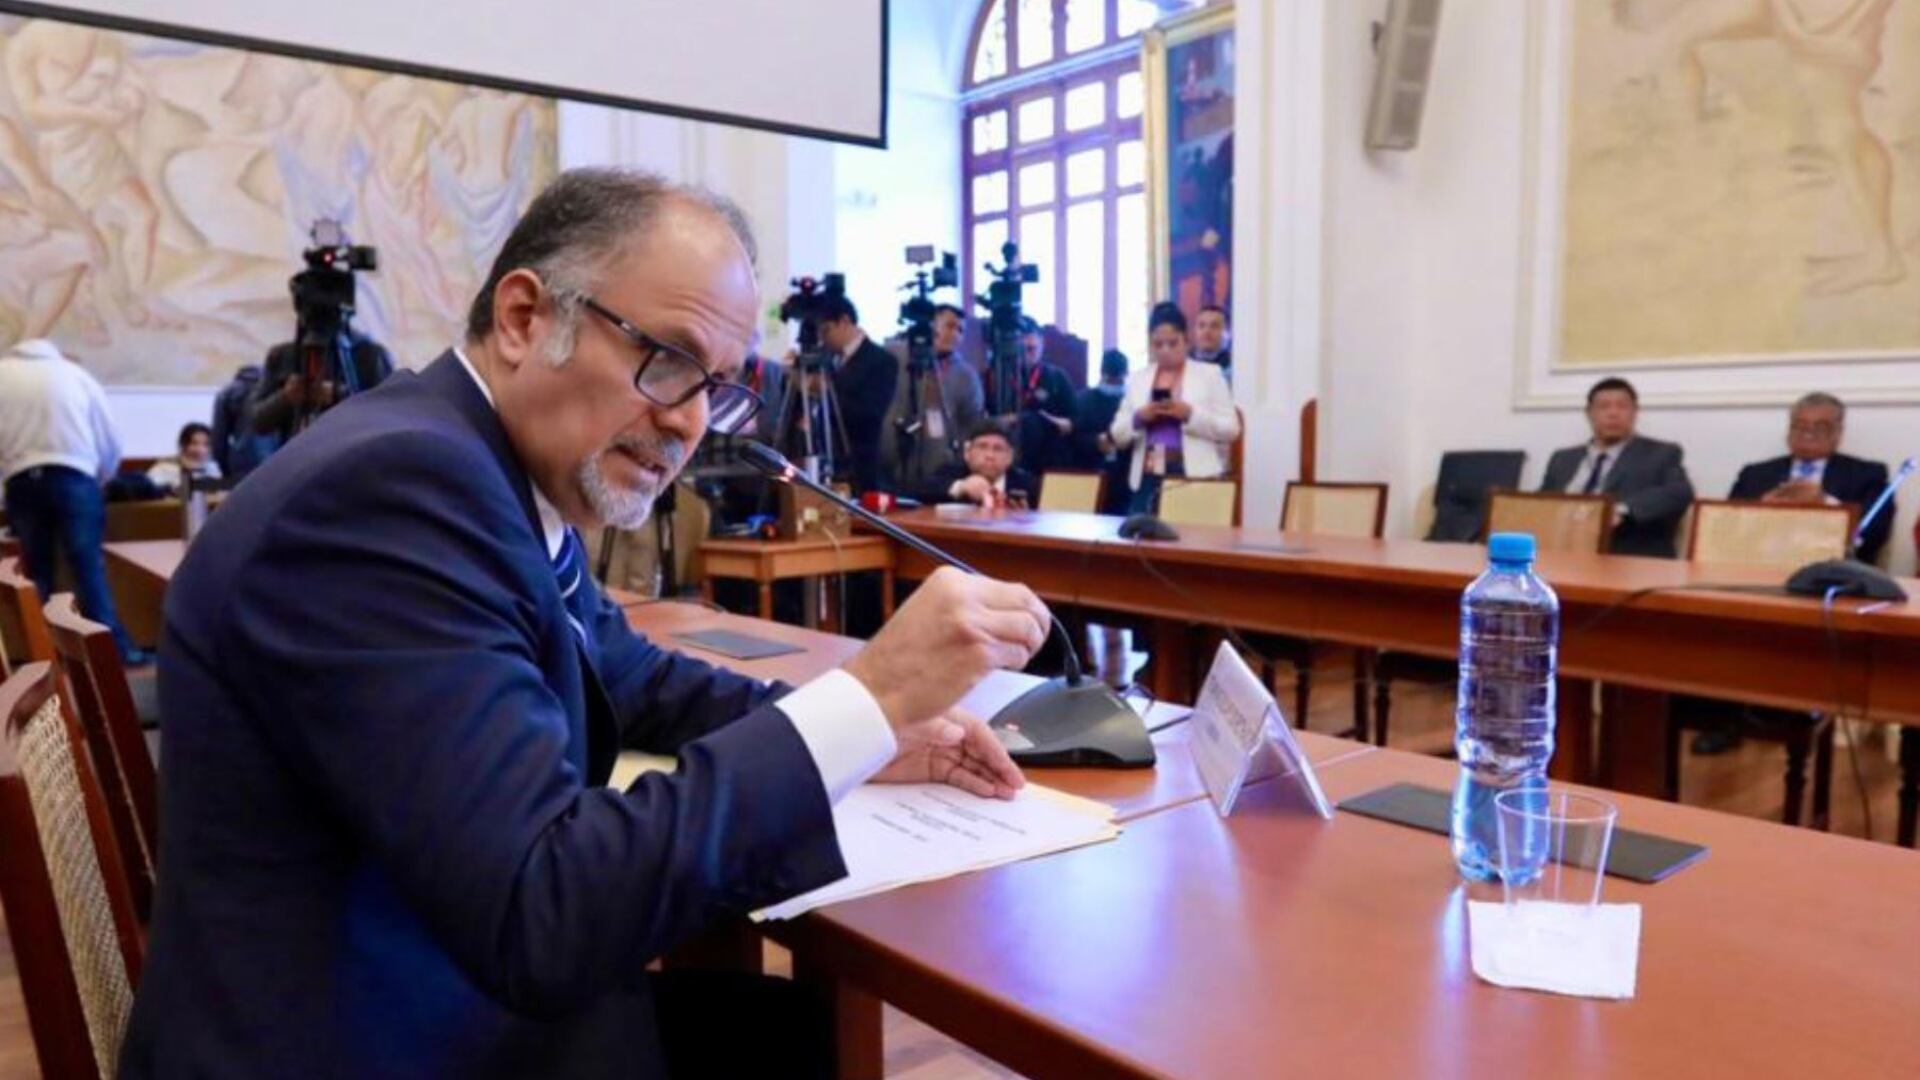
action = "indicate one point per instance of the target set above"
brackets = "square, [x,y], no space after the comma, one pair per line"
[1503,722]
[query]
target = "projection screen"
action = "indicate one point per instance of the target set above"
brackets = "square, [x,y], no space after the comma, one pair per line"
[801,67]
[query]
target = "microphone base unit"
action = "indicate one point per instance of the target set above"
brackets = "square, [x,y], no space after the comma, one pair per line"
[1850,577]
[1086,724]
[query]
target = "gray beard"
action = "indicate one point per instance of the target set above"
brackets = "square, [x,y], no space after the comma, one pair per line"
[627,509]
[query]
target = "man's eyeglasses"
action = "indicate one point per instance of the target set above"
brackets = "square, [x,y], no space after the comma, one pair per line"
[670,378]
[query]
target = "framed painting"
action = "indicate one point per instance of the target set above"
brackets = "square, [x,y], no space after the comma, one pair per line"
[1722,184]
[1188,64]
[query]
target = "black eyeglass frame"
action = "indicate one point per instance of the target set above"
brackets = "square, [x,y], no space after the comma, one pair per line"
[720,394]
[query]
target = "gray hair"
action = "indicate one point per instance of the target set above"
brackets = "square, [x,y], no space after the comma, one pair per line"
[1821,399]
[579,225]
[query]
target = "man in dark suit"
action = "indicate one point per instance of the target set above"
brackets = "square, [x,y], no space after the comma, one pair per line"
[987,477]
[394,700]
[1814,471]
[864,386]
[1646,477]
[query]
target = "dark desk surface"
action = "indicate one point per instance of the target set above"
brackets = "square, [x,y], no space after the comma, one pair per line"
[1274,943]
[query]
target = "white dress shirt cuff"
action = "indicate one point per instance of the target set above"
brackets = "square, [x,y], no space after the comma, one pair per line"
[844,729]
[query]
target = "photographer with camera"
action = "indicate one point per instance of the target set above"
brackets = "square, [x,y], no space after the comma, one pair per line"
[940,398]
[328,360]
[864,386]
[1044,400]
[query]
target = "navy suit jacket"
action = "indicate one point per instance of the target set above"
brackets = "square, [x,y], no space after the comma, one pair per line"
[1650,479]
[1852,480]
[386,845]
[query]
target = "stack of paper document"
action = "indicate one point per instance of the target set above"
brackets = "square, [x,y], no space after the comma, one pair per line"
[901,834]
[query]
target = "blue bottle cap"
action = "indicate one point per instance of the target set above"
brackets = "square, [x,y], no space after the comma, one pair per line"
[1510,547]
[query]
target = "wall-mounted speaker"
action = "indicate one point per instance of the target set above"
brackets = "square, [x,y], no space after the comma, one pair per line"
[1404,45]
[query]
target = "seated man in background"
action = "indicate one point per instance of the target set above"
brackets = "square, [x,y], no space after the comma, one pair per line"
[394,701]
[1814,471]
[987,477]
[195,458]
[1039,405]
[1646,477]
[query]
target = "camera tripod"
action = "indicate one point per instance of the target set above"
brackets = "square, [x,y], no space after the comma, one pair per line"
[913,438]
[811,429]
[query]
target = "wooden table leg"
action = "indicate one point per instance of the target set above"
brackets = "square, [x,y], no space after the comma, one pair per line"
[833,590]
[1573,733]
[1909,785]
[1633,741]
[859,1050]
[706,589]
[886,594]
[1172,660]
[766,600]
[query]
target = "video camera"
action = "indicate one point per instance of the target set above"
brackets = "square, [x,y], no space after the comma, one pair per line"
[916,314]
[808,305]
[323,293]
[1004,323]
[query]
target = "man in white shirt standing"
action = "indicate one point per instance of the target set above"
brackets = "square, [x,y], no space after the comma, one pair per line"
[57,446]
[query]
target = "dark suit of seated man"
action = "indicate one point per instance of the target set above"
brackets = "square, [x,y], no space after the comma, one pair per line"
[388,848]
[1815,472]
[987,476]
[1646,477]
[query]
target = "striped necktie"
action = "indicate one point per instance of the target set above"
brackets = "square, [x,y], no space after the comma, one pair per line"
[569,569]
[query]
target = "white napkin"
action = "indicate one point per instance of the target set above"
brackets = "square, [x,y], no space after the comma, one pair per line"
[1559,948]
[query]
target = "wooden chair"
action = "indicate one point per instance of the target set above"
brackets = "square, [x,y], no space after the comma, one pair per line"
[1073,490]
[77,945]
[23,625]
[1557,522]
[1200,502]
[1328,509]
[1335,509]
[1784,536]
[97,687]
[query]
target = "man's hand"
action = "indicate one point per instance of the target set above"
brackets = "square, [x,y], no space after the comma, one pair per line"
[1796,491]
[325,395]
[1179,410]
[976,489]
[953,631]
[1060,423]
[976,762]
[294,390]
[1104,443]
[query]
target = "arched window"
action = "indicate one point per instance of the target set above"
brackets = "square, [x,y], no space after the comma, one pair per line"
[1052,160]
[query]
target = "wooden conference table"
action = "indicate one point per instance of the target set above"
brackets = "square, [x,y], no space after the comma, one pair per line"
[1405,595]
[1276,943]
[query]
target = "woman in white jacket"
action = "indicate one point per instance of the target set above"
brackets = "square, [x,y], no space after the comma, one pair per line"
[1177,415]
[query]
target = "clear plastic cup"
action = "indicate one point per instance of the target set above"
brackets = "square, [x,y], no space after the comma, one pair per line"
[1553,846]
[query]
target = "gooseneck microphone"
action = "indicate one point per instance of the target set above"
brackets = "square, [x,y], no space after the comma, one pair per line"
[1879,506]
[1072,720]
[775,465]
